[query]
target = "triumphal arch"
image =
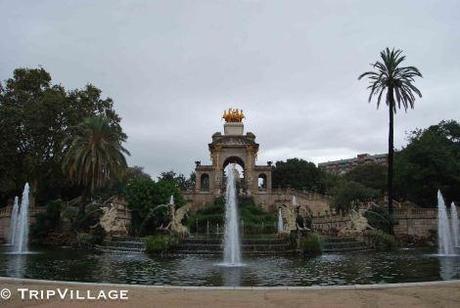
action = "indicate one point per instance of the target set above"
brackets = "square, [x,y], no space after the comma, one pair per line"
[235,145]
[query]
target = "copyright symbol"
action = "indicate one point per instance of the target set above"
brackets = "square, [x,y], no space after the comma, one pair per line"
[5,293]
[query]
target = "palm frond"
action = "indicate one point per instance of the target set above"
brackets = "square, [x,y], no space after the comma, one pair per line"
[388,74]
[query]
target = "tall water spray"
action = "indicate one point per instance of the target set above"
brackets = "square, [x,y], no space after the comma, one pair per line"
[14,221]
[445,241]
[22,232]
[455,224]
[232,249]
[280,222]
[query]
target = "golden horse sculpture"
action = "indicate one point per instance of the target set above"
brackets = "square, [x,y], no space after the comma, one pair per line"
[233,115]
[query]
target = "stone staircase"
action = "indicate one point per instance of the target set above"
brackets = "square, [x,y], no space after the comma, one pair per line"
[126,245]
[205,246]
[339,245]
[263,246]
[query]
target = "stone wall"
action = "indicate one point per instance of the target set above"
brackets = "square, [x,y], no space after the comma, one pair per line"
[415,222]
[270,201]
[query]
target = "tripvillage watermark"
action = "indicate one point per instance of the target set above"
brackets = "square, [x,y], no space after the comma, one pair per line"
[27,294]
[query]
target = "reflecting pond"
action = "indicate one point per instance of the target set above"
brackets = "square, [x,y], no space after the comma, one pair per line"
[200,270]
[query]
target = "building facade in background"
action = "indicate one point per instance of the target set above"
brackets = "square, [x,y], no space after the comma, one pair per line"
[342,166]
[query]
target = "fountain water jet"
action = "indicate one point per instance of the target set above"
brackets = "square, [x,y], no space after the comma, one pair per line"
[455,224]
[445,241]
[22,232]
[280,222]
[14,220]
[232,247]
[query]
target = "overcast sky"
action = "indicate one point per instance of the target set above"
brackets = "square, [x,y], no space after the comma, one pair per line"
[172,67]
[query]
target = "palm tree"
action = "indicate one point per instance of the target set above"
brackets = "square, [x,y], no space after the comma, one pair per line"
[93,155]
[397,81]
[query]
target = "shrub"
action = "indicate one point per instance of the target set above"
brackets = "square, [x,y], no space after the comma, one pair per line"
[382,241]
[84,239]
[47,221]
[212,213]
[311,244]
[98,234]
[378,218]
[256,220]
[160,243]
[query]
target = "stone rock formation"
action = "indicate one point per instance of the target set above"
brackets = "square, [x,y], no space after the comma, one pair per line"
[356,226]
[115,217]
[175,219]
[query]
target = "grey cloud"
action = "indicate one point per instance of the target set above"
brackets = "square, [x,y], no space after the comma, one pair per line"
[172,67]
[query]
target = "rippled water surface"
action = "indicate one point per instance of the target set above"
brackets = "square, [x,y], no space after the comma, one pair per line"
[354,268]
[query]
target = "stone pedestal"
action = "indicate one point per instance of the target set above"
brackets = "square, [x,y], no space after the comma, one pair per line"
[233,129]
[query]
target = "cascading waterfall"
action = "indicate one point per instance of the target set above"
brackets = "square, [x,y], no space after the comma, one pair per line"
[22,232]
[280,222]
[232,248]
[445,241]
[455,224]
[171,200]
[14,221]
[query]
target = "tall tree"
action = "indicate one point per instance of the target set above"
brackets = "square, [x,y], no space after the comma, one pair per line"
[430,161]
[31,111]
[397,83]
[95,155]
[298,174]
[35,117]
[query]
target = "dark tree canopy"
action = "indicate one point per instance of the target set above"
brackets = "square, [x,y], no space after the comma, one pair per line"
[35,118]
[370,175]
[430,161]
[298,174]
[179,180]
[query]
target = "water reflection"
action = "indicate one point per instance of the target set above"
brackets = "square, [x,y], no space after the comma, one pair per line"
[449,268]
[341,269]
[232,276]
[16,265]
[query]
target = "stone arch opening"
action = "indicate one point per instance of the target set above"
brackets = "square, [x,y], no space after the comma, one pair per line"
[233,160]
[262,182]
[204,182]
[240,167]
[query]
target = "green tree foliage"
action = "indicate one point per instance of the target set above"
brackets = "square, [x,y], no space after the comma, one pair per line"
[429,162]
[311,245]
[47,221]
[143,196]
[397,82]
[94,155]
[348,193]
[371,175]
[179,179]
[35,118]
[298,174]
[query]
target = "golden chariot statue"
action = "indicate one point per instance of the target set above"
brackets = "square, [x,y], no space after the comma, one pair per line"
[233,115]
